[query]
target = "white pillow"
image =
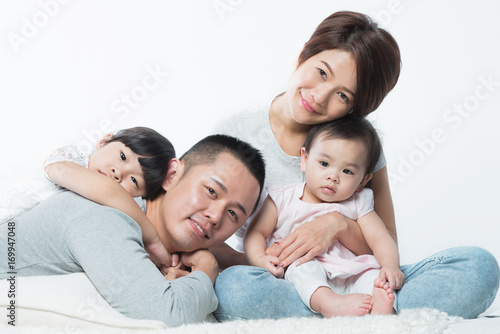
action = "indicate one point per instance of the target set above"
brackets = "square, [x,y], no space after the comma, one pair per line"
[66,301]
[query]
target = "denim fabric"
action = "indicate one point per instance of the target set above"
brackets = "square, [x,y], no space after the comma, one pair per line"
[460,281]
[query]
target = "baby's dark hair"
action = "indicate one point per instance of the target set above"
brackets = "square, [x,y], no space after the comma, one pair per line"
[349,127]
[154,151]
[208,149]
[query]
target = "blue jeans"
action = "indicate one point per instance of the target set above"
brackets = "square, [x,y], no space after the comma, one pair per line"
[459,281]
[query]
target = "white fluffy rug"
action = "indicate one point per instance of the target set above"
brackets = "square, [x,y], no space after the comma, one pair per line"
[423,321]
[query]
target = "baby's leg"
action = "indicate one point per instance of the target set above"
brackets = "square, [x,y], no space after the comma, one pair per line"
[331,304]
[309,279]
[383,300]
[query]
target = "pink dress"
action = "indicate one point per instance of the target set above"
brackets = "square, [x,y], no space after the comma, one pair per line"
[337,260]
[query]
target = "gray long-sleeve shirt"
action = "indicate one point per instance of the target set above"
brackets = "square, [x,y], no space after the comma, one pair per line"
[68,233]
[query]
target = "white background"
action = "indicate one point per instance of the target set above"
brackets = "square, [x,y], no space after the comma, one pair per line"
[68,67]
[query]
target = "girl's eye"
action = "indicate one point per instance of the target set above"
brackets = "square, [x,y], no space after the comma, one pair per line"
[323,163]
[134,180]
[347,171]
[322,73]
[122,155]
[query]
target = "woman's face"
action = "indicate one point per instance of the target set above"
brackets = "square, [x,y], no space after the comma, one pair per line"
[322,88]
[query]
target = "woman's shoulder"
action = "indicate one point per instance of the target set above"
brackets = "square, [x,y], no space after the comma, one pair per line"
[243,122]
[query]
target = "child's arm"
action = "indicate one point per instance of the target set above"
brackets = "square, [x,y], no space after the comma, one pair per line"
[384,248]
[259,229]
[105,191]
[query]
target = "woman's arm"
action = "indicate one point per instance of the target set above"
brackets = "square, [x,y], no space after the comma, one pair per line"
[384,248]
[105,191]
[316,236]
[383,200]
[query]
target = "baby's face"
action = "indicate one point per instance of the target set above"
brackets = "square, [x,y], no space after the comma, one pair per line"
[120,163]
[335,170]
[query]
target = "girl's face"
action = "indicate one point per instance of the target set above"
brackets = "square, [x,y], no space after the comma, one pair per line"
[322,88]
[335,170]
[120,163]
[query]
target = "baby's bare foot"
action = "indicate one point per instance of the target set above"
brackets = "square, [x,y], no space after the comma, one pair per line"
[383,300]
[331,304]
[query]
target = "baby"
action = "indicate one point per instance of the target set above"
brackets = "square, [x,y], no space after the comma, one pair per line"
[338,159]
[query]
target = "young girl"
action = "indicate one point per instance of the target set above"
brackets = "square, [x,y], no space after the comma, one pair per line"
[132,163]
[338,159]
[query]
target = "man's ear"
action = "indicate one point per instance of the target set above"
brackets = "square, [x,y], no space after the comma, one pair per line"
[174,172]
[303,159]
[104,140]
[363,183]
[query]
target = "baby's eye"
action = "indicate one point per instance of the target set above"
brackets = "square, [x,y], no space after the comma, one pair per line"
[122,155]
[322,73]
[323,163]
[347,171]
[135,181]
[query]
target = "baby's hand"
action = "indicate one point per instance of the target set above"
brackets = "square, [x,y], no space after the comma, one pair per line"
[392,275]
[273,264]
[160,256]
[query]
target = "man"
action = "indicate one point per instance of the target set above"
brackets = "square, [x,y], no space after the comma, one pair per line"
[209,194]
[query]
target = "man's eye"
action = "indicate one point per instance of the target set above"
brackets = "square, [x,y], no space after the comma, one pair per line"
[347,171]
[122,155]
[233,214]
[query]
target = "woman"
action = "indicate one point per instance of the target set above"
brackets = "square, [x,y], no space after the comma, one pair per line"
[348,65]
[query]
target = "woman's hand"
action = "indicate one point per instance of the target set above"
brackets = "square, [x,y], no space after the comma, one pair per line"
[309,239]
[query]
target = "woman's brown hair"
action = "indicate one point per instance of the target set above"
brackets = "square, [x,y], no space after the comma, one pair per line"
[375,52]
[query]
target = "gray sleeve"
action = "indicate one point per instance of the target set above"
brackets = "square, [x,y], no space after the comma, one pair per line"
[108,246]
[381,163]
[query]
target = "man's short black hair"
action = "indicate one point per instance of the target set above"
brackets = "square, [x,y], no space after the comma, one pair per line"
[209,148]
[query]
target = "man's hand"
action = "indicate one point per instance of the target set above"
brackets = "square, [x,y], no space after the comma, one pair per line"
[161,257]
[201,260]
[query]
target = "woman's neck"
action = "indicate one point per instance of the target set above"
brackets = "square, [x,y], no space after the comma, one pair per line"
[289,134]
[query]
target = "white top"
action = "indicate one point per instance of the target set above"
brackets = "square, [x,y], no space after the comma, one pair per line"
[254,127]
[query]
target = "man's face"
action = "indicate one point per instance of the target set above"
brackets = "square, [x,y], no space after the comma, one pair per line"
[207,204]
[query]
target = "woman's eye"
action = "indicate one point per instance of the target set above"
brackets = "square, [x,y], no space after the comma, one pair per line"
[322,73]
[122,155]
[343,96]
[347,171]
[211,191]
[323,163]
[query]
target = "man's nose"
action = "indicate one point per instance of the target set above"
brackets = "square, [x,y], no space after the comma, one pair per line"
[214,213]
